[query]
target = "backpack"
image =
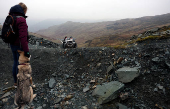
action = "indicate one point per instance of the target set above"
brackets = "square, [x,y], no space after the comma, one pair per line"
[9,31]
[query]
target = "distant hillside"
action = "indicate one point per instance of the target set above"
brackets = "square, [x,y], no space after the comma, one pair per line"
[39,25]
[121,29]
[45,24]
[40,36]
[119,42]
[80,31]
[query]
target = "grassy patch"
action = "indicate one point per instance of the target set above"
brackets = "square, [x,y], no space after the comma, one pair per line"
[127,44]
[147,38]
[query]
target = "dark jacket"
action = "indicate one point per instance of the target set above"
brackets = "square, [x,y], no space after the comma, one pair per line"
[22,27]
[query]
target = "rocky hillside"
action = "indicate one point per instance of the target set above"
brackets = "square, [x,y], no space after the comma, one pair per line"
[94,78]
[121,29]
[112,40]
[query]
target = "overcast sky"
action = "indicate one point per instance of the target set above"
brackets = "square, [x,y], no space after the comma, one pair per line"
[88,9]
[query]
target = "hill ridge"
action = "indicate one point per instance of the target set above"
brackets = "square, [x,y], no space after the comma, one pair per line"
[122,28]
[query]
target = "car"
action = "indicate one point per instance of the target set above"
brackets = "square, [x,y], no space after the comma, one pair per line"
[69,43]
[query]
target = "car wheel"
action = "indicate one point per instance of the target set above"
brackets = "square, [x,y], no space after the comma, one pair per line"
[75,45]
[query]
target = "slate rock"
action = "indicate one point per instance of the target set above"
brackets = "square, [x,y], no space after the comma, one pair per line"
[155,89]
[40,107]
[167,52]
[127,74]
[87,88]
[52,82]
[110,69]
[58,100]
[84,107]
[99,64]
[66,76]
[167,64]
[107,91]
[5,100]
[44,105]
[121,106]
[6,94]
[156,60]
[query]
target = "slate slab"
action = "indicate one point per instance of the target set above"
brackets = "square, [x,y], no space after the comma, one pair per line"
[107,91]
[127,74]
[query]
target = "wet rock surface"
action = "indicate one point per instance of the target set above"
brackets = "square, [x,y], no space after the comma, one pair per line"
[66,78]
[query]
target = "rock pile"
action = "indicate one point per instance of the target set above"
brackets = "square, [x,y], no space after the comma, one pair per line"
[42,42]
[163,31]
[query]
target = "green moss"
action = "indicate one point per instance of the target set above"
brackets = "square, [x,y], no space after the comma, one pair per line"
[152,37]
[146,38]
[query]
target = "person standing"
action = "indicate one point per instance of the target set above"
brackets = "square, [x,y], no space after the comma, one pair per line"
[21,42]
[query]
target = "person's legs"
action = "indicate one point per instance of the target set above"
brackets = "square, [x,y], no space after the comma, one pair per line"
[15,64]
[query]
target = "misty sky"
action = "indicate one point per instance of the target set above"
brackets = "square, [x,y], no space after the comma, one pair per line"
[88,9]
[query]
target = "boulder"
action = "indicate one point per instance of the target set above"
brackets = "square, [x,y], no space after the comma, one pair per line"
[107,91]
[127,74]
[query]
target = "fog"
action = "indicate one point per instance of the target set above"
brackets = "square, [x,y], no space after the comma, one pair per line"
[86,10]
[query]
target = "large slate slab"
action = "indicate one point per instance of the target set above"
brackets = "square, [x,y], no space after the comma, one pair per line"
[107,91]
[127,74]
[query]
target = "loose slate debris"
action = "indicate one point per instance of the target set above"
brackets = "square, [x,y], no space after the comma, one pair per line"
[42,42]
[73,69]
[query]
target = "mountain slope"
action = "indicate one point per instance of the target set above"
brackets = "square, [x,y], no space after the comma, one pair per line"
[121,28]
